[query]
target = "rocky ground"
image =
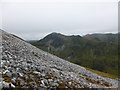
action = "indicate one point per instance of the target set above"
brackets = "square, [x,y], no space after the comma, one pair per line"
[25,66]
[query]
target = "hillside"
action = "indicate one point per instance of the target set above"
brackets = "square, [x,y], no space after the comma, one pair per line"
[25,66]
[113,38]
[101,55]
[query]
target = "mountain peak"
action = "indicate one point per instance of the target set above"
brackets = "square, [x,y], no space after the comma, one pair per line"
[55,33]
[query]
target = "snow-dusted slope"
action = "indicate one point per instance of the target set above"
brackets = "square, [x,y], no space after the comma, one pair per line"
[24,65]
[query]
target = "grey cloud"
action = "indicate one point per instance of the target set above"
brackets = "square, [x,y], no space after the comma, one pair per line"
[35,20]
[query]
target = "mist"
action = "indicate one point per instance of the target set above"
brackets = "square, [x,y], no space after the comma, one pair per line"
[33,21]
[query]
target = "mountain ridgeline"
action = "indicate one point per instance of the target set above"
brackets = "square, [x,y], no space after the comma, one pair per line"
[94,51]
[113,38]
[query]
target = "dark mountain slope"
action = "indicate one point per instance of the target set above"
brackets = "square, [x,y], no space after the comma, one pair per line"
[103,37]
[94,54]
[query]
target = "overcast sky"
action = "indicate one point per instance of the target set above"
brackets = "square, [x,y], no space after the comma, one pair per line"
[33,19]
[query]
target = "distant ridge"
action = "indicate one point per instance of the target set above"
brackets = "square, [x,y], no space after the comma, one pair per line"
[109,37]
[95,51]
